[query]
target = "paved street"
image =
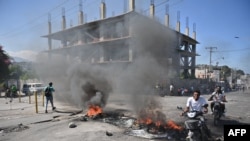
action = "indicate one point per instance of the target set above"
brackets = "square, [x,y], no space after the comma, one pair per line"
[19,120]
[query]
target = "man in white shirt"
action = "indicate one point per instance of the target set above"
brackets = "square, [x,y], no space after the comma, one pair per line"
[196,103]
[219,96]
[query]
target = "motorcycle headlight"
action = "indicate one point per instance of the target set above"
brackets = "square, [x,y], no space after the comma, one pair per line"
[191,114]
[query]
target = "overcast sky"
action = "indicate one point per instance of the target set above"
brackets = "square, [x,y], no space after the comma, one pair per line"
[223,24]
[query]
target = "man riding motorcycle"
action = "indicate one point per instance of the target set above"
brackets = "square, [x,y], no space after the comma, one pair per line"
[196,103]
[219,96]
[196,126]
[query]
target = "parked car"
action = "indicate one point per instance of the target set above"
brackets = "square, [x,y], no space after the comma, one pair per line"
[31,88]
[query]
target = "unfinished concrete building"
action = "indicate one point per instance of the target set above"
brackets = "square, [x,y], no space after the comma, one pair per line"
[121,40]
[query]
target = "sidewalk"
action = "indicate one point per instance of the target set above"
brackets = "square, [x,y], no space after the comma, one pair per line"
[23,110]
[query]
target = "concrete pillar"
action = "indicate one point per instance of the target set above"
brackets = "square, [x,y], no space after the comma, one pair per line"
[80,38]
[194,35]
[101,54]
[187,31]
[178,27]
[131,5]
[80,18]
[103,10]
[194,31]
[167,20]
[64,43]
[167,16]
[152,10]
[101,32]
[102,16]
[187,27]
[130,53]
[63,22]
[80,15]
[49,39]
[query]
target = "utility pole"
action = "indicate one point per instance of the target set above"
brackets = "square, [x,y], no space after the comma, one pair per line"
[210,60]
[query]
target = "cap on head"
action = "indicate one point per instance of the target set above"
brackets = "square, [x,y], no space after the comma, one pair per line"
[50,83]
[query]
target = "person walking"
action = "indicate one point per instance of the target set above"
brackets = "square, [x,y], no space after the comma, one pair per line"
[13,91]
[171,88]
[49,96]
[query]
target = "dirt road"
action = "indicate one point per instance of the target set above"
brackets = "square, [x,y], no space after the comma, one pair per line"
[19,121]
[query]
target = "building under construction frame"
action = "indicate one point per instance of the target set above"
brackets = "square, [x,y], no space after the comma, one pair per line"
[111,41]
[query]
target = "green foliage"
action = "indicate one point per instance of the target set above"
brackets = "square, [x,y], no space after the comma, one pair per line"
[240,72]
[225,72]
[29,75]
[15,71]
[4,65]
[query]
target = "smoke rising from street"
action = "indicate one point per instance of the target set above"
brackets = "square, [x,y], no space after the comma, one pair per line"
[153,44]
[81,83]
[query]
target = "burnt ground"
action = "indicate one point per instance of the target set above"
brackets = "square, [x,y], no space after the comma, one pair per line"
[19,121]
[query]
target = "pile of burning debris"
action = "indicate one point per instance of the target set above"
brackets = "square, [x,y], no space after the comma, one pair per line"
[149,124]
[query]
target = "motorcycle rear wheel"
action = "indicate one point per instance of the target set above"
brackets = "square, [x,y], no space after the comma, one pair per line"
[216,117]
[205,133]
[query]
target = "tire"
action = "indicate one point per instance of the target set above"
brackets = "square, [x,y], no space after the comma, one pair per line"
[205,133]
[196,138]
[216,120]
[217,113]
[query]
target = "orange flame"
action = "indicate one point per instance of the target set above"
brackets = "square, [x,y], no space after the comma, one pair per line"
[158,123]
[148,121]
[172,125]
[145,121]
[94,110]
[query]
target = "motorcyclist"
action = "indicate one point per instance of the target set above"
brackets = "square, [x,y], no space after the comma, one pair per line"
[196,103]
[219,96]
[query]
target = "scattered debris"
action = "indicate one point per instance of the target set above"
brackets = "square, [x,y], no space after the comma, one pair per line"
[72,125]
[109,133]
[133,129]
[144,134]
[42,121]
[20,127]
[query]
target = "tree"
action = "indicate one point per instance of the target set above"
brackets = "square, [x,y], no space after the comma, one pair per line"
[5,61]
[240,72]
[15,71]
[225,72]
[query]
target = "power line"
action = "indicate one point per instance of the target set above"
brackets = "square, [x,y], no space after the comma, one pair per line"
[157,5]
[172,4]
[243,49]
[30,24]
[11,32]
[210,60]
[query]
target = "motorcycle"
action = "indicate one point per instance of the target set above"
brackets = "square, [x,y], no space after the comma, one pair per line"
[196,127]
[218,112]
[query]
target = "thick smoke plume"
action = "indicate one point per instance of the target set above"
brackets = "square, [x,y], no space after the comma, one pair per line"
[82,83]
[153,44]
